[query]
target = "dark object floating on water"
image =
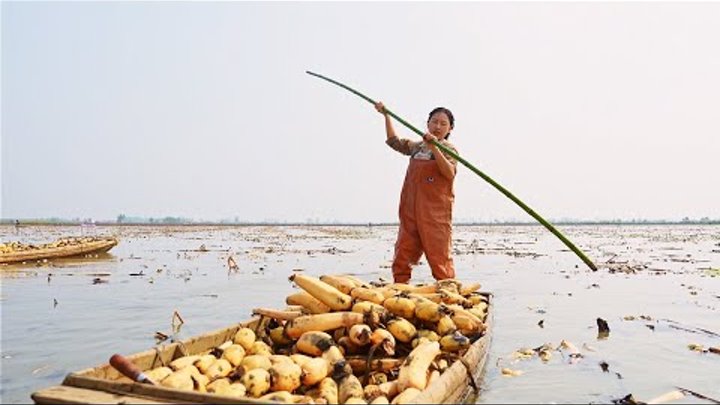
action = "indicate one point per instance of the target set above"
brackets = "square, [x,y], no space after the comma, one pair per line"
[160,337]
[232,265]
[603,329]
[697,395]
[98,280]
[605,367]
[541,323]
[627,399]
[137,274]
[203,249]
[691,329]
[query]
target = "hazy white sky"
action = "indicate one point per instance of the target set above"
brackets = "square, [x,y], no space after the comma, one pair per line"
[204,110]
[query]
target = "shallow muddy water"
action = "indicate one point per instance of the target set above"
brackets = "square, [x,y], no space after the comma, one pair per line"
[69,315]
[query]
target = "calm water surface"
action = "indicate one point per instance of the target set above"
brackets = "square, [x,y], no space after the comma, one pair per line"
[69,315]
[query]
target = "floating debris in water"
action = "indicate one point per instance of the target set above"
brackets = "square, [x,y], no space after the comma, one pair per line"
[588,347]
[696,347]
[540,311]
[712,272]
[507,372]
[603,329]
[691,329]
[177,322]
[697,395]
[39,369]
[575,354]
[545,355]
[523,354]
[626,400]
[160,337]
[232,265]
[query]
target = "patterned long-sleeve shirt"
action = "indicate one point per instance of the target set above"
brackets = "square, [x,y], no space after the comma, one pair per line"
[419,149]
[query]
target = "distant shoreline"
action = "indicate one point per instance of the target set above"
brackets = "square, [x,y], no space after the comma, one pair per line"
[365,224]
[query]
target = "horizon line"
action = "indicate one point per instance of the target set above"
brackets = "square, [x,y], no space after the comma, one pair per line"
[226,222]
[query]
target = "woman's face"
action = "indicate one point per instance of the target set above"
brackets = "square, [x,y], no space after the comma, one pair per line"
[439,125]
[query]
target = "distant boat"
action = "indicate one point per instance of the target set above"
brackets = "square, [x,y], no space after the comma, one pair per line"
[15,252]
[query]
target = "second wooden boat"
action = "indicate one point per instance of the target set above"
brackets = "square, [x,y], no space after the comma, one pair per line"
[72,247]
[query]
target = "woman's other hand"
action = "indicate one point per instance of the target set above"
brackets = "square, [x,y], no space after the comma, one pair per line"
[429,138]
[380,107]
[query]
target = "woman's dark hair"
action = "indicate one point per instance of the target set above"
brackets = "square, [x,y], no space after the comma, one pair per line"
[446,112]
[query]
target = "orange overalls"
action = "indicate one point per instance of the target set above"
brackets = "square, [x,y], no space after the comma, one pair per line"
[425,222]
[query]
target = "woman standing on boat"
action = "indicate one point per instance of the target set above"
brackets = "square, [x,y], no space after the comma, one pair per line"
[427,198]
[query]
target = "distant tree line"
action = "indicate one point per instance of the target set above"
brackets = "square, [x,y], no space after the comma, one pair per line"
[124,219]
[172,220]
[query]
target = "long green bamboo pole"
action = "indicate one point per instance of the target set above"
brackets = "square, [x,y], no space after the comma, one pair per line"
[485,177]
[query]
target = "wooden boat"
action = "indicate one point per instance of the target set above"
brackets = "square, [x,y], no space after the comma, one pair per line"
[104,384]
[89,246]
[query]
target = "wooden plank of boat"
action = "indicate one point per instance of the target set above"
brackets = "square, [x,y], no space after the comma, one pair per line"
[63,394]
[453,386]
[96,246]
